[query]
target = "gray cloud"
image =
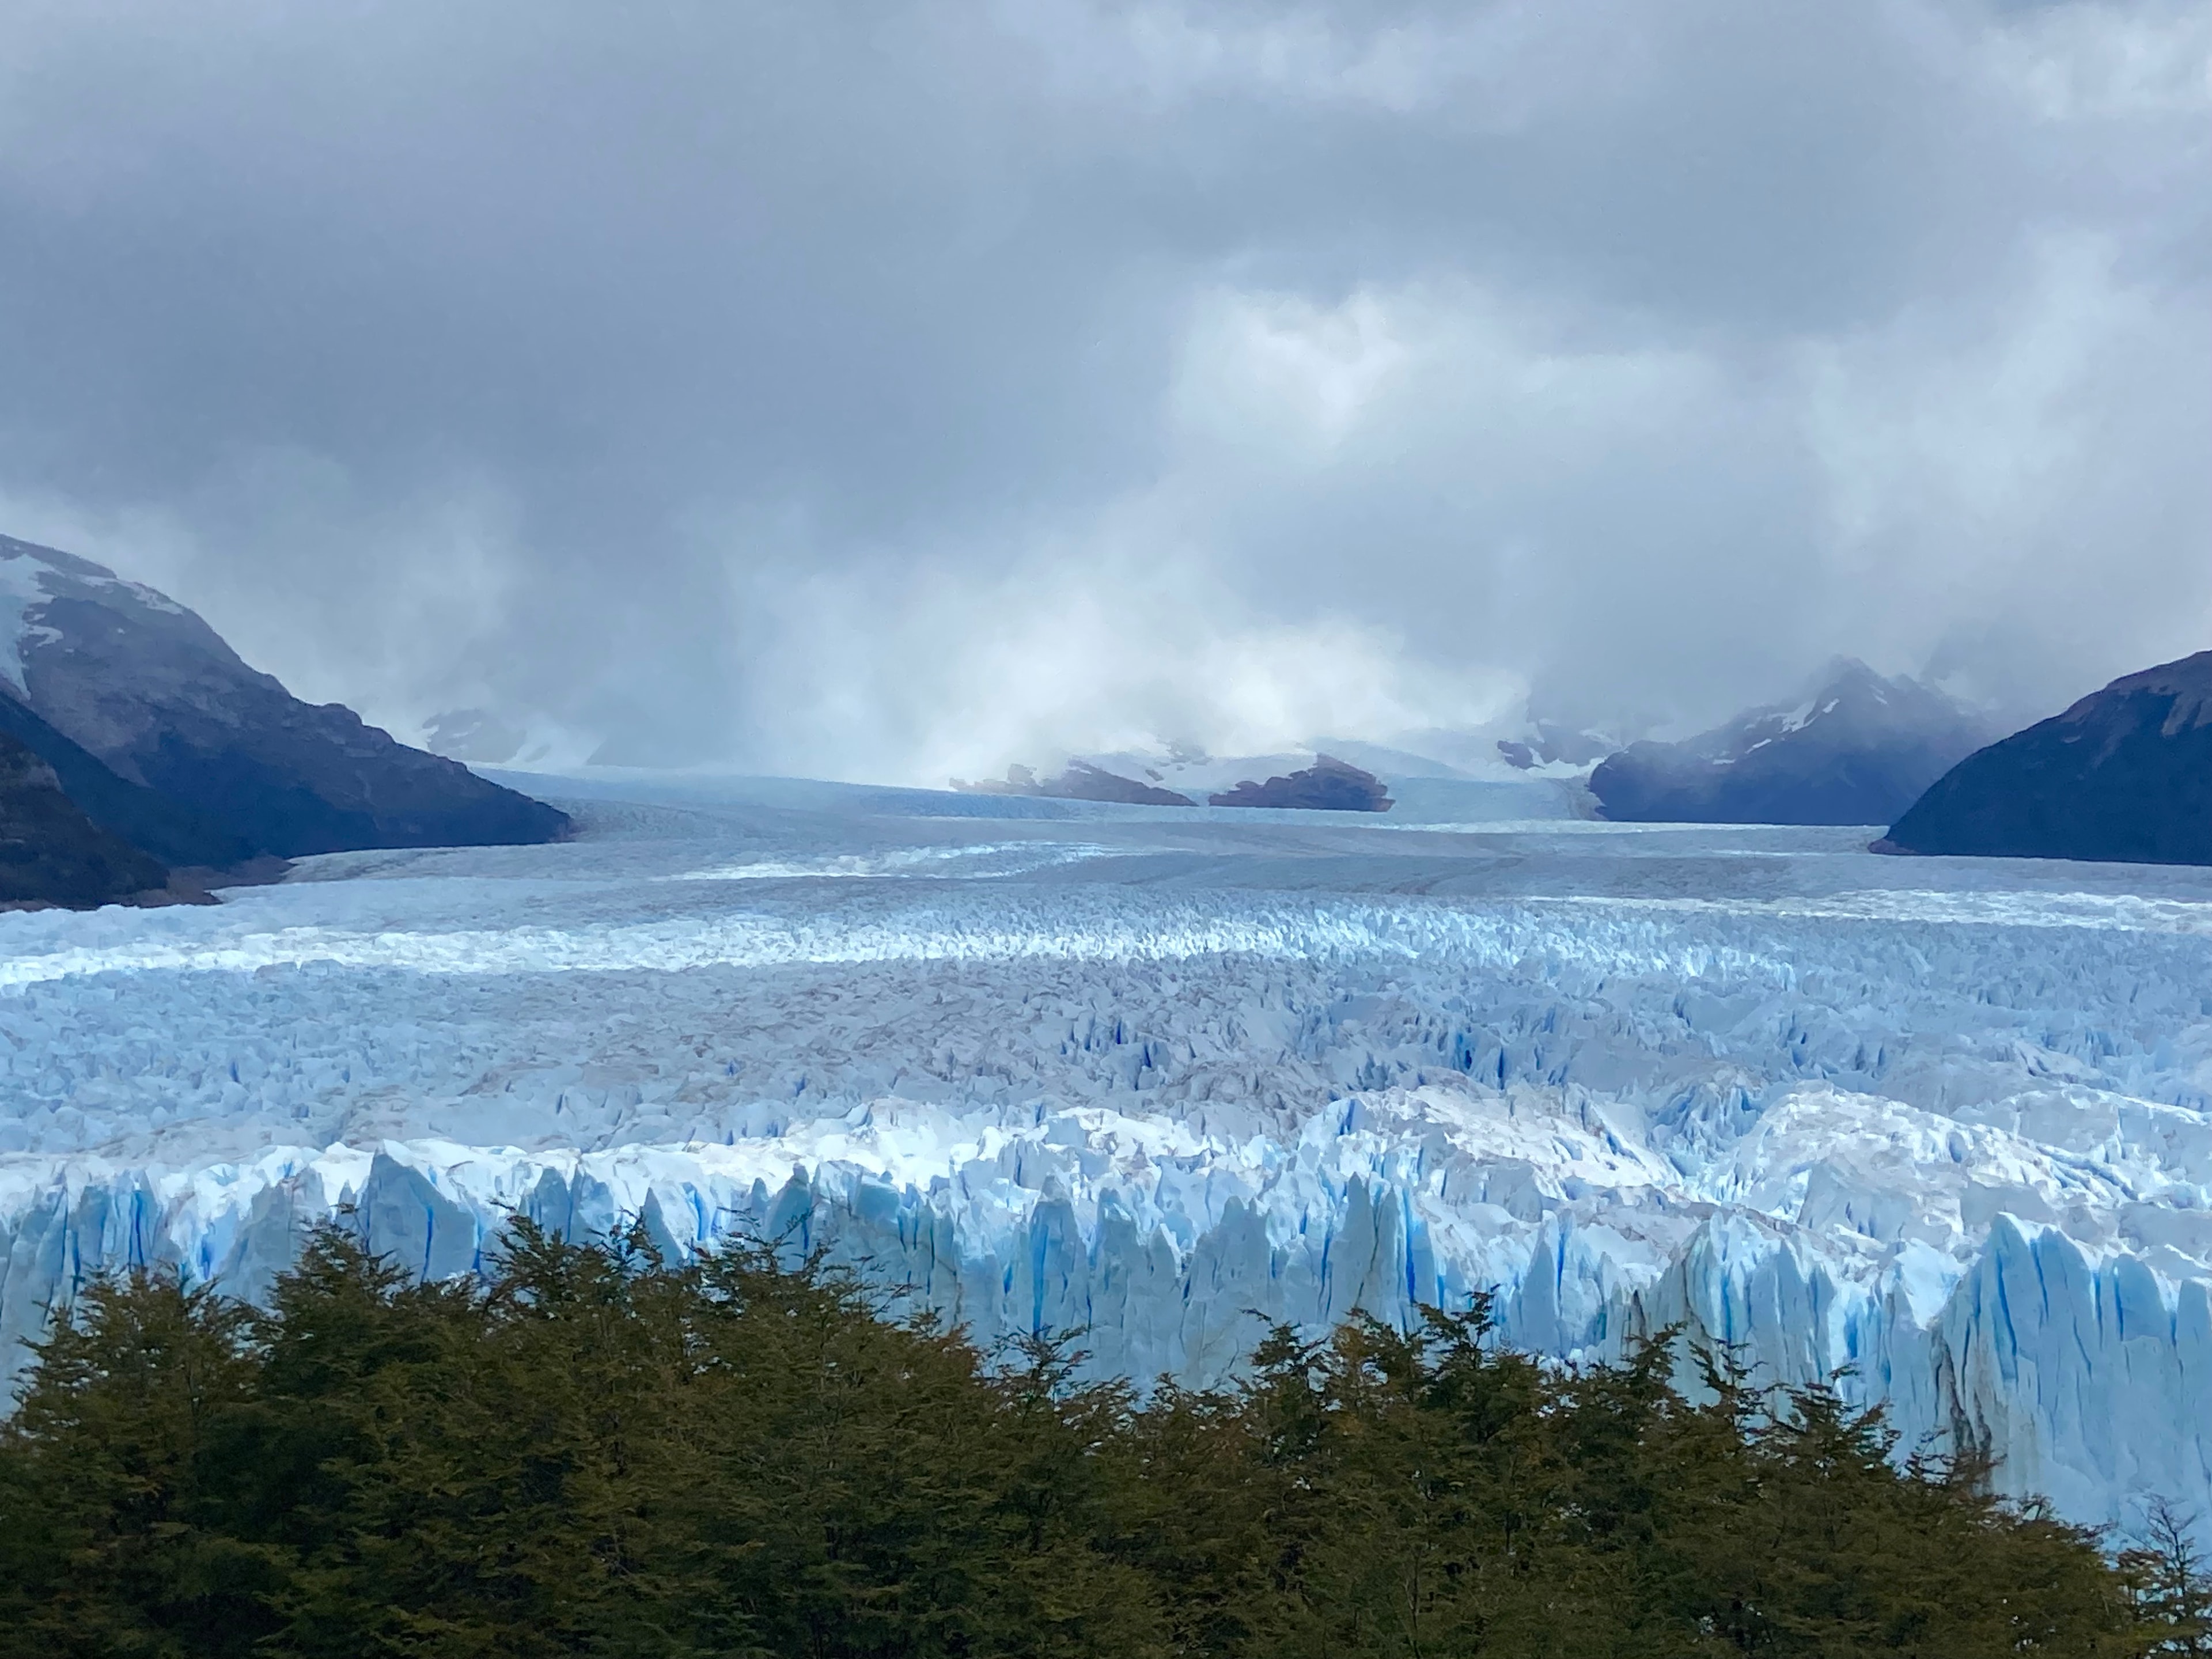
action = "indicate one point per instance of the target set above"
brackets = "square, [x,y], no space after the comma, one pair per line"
[891,388]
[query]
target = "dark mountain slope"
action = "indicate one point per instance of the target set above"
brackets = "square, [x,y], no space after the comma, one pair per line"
[2125,775]
[168,829]
[1857,751]
[50,852]
[151,691]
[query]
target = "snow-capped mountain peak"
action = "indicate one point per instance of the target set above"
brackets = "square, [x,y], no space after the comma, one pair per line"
[1857,748]
[134,697]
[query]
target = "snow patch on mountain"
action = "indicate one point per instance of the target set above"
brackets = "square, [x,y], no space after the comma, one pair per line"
[22,590]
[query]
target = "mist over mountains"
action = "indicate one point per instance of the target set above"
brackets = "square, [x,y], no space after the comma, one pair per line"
[140,743]
[1857,749]
[1071,378]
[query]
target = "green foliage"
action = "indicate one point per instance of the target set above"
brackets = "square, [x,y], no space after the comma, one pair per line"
[2165,1572]
[595,1451]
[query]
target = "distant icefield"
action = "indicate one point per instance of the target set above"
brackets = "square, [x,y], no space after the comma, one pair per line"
[1167,1076]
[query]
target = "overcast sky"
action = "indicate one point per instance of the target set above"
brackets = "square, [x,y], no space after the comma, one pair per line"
[888,390]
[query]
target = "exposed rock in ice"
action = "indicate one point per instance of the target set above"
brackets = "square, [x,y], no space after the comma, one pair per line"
[1328,785]
[1078,780]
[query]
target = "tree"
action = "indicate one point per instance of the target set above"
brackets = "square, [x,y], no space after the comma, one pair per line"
[593,1451]
[2166,1574]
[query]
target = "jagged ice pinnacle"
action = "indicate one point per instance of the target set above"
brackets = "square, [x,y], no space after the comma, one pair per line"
[1167,1076]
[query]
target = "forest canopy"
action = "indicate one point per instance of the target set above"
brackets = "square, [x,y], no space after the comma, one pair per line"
[592,1450]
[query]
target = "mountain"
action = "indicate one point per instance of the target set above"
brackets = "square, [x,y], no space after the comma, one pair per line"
[1329,785]
[236,763]
[1548,746]
[168,829]
[1858,750]
[50,852]
[2125,775]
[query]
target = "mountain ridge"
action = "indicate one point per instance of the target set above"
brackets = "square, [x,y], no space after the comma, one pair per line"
[125,676]
[1857,749]
[2123,775]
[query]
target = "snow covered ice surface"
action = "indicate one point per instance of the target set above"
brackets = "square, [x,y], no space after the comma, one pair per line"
[1168,1075]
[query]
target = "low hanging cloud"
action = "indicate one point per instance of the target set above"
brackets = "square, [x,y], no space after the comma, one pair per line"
[900,390]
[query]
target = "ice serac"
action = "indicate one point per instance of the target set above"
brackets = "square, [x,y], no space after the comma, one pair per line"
[2083,1373]
[1857,749]
[1168,1079]
[2124,775]
[135,680]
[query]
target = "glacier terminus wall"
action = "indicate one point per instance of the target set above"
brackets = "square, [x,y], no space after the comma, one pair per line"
[1166,1077]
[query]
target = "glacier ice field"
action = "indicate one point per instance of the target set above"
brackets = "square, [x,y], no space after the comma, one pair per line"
[1169,1076]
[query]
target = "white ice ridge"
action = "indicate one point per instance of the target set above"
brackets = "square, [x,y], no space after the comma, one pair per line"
[1940,1122]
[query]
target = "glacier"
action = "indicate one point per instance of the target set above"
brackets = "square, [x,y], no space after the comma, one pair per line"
[1167,1076]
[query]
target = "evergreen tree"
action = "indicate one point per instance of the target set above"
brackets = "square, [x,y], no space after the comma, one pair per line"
[593,1451]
